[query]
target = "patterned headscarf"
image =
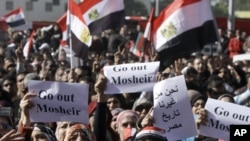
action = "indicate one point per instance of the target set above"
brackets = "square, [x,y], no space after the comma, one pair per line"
[79,127]
[124,114]
[47,131]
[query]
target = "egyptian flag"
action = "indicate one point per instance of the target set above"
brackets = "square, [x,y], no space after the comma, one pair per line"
[136,49]
[80,39]
[15,18]
[103,14]
[28,45]
[182,28]
[61,22]
[143,42]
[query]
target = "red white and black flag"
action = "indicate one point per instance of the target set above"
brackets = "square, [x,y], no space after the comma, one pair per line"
[103,14]
[61,22]
[28,47]
[143,42]
[15,18]
[80,38]
[182,28]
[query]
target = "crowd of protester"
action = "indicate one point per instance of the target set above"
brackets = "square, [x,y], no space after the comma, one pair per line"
[111,116]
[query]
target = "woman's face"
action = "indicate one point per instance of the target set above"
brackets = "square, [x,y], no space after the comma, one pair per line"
[200,103]
[59,75]
[38,136]
[79,135]
[61,129]
[113,103]
[127,122]
[224,74]
[20,83]
[9,86]
[113,122]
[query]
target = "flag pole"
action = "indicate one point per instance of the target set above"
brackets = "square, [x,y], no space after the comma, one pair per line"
[69,34]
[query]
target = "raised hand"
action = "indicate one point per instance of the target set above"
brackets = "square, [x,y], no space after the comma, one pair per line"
[202,118]
[148,120]
[119,55]
[100,87]
[25,105]
[19,51]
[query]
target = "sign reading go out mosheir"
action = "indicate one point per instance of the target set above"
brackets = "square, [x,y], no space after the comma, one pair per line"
[59,101]
[129,78]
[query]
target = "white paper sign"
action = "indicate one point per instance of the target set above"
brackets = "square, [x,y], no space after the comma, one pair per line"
[128,78]
[59,101]
[172,109]
[241,57]
[221,115]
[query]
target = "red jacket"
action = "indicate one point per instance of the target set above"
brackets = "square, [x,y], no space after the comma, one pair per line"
[235,47]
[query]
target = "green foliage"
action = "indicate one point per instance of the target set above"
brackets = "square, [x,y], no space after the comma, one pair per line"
[242,5]
[134,8]
[137,8]
[220,10]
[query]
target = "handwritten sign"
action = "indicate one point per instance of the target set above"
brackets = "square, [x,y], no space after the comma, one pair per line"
[127,78]
[172,109]
[221,115]
[59,101]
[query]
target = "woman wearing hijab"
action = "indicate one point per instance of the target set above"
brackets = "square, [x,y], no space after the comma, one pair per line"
[42,133]
[79,132]
[126,121]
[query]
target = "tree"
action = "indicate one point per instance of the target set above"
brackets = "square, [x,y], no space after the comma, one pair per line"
[220,9]
[135,8]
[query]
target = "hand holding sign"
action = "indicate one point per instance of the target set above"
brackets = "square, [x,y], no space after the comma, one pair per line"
[26,105]
[171,105]
[202,118]
[100,87]
[132,77]
[220,116]
[59,101]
